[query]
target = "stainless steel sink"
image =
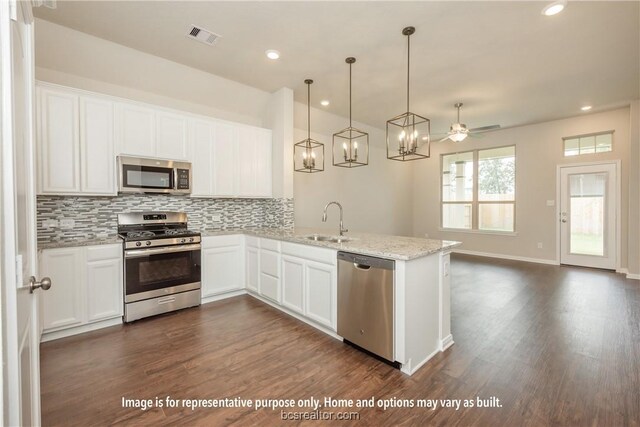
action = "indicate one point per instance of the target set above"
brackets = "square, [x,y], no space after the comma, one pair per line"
[323,238]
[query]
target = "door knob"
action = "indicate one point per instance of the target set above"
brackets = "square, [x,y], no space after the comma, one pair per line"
[45,284]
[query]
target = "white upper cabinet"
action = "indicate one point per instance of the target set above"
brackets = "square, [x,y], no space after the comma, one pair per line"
[135,130]
[202,158]
[75,144]
[96,146]
[171,136]
[58,142]
[225,160]
[80,134]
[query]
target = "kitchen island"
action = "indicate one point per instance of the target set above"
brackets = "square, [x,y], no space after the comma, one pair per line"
[296,272]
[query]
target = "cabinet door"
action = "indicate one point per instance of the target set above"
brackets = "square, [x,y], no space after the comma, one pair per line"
[63,305]
[171,136]
[96,146]
[59,147]
[247,161]
[225,155]
[253,269]
[135,130]
[320,293]
[263,163]
[221,270]
[201,158]
[104,289]
[293,283]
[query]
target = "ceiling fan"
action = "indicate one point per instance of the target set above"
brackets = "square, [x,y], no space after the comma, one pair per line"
[458,131]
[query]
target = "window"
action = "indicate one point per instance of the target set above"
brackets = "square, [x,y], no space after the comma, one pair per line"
[487,206]
[588,144]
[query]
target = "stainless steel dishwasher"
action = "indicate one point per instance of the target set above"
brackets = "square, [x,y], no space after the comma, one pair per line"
[365,302]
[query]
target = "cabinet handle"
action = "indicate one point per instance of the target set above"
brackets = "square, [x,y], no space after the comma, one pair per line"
[166,300]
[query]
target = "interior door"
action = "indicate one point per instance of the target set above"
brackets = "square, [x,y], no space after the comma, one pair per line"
[588,202]
[21,330]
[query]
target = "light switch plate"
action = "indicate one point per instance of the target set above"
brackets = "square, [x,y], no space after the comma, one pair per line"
[67,223]
[551,202]
[50,223]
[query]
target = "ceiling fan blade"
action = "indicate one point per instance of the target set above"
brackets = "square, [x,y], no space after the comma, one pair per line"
[444,139]
[475,135]
[485,128]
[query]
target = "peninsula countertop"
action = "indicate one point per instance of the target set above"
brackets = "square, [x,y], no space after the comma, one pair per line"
[385,246]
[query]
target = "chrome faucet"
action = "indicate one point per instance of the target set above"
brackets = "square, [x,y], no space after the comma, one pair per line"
[324,216]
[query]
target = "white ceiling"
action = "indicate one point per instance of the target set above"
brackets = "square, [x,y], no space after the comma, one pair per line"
[508,64]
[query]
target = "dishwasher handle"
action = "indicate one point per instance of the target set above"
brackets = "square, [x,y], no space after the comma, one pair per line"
[364,262]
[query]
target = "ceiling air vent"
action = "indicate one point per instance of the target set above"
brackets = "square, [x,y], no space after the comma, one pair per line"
[202,35]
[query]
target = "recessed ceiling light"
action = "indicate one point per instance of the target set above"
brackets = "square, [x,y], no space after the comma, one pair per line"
[324,102]
[586,108]
[272,54]
[554,8]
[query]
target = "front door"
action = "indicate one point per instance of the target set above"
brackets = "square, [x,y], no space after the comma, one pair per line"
[21,332]
[588,201]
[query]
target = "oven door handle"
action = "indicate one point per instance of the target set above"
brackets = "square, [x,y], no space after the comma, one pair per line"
[137,253]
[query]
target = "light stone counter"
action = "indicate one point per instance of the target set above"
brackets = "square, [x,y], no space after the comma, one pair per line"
[70,243]
[379,245]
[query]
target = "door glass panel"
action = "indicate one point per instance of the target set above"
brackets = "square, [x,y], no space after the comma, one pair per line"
[587,210]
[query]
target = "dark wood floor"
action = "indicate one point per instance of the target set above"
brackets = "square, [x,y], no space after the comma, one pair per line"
[556,345]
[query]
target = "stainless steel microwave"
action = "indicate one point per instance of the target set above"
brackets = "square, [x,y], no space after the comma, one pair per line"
[145,175]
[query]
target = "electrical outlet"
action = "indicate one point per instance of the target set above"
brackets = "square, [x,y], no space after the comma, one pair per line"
[67,223]
[539,245]
[216,218]
[50,223]
[426,235]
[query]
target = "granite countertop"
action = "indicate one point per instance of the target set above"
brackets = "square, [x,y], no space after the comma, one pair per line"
[380,245]
[89,241]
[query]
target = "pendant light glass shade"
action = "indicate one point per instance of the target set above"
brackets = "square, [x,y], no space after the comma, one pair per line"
[308,154]
[408,132]
[350,145]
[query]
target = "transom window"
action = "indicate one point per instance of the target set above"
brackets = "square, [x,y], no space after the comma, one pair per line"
[601,142]
[478,190]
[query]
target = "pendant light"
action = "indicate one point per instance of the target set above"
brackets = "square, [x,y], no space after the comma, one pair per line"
[350,145]
[308,154]
[408,132]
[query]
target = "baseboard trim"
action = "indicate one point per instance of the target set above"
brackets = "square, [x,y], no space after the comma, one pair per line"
[509,257]
[633,276]
[446,342]
[410,370]
[50,336]
[230,294]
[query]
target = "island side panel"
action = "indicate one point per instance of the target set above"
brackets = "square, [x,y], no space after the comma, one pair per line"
[419,311]
[446,339]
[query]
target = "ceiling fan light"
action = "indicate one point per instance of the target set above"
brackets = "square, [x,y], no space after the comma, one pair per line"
[458,137]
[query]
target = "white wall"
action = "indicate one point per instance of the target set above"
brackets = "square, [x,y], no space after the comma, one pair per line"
[376,198]
[539,151]
[72,58]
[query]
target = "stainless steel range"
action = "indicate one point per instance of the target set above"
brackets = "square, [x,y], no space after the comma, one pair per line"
[161,263]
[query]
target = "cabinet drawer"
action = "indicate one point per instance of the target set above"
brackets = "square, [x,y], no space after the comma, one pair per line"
[326,256]
[270,263]
[221,241]
[272,245]
[98,253]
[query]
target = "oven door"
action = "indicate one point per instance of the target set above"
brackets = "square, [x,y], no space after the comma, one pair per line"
[153,272]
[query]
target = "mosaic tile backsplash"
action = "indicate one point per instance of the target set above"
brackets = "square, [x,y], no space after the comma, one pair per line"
[95,217]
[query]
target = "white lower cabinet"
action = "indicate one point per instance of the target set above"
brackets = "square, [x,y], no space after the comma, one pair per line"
[270,270]
[222,264]
[252,272]
[86,286]
[309,283]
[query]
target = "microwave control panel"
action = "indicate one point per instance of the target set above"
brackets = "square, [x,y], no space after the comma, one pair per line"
[183,179]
